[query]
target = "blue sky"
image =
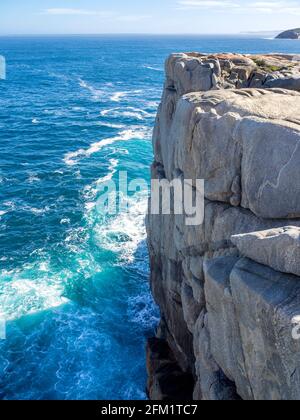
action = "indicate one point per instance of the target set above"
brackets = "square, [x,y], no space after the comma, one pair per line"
[146,16]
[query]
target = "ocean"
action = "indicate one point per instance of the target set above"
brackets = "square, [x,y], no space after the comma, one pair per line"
[74,111]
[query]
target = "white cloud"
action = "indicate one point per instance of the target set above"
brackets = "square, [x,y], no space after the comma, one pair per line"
[133,18]
[74,12]
[263,7]
[206,4]
[103,14]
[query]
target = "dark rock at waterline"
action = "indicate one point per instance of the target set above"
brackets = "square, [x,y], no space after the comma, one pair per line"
[167,382]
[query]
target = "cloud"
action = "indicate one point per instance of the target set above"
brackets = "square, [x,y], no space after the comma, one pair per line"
[103,14]
[206,4]
[263,7]
[133,18]
[74,12]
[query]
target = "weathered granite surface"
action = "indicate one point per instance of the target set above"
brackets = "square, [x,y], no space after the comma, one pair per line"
[250,311]
[224,137]
[276,248]
[227,321]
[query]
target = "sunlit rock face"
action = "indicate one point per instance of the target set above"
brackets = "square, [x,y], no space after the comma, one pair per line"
[229,321]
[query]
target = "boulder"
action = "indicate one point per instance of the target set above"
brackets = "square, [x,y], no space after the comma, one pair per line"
[277,248]
[291,83]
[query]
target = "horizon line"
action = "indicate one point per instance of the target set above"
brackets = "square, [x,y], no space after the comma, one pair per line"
[141,34]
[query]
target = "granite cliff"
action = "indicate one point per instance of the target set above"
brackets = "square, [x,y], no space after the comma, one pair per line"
[228,289]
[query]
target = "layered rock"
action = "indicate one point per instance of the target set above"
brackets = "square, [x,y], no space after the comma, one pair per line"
[226,320]
[250,312]
[276,248]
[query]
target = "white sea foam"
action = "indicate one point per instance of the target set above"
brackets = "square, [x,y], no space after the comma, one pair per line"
[118,96]
[107,93]
[89,206]
[10,206]
[152,104]
[111,125]
[111,171]
[90,191]
[96,93]
[142,311]
[34,210]
[33,178]
[73,158]
[2,212]
[123,234]
[126,112]
[153,68]
[78,108]
[35,121]
[65,221]
[20,294]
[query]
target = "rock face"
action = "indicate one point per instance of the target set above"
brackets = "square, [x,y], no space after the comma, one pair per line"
[290,34]
[228,321]
[276,248]
[224,138]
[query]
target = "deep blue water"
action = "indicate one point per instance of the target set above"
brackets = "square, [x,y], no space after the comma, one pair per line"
[74,283]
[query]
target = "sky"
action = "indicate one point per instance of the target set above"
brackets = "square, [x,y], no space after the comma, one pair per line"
[147,16]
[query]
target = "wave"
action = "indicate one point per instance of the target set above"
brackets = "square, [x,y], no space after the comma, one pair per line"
[90,191]
[65,221]
[152,104]
[13,206]
[33,178]
[142,311]
[72,158]
[118,96]
[35,210]
[35,287]
[111,125]
[123,233]
[128,112]
[96,93]
[106,92]
[113,164]
[160,69]
[10,206]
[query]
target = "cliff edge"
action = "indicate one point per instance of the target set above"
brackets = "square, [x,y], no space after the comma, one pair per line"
[229,288]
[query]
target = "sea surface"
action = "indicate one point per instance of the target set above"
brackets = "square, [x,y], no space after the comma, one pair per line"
[74,111]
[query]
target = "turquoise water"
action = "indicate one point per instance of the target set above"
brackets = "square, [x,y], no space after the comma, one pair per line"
[73,282]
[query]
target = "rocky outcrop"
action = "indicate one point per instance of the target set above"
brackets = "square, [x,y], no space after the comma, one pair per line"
[290,34]
[227,320]
[276,248]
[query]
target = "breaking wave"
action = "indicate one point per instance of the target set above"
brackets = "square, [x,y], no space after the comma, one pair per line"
[72,158]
